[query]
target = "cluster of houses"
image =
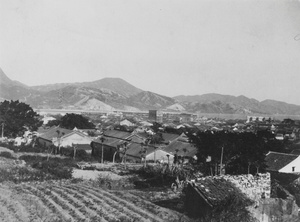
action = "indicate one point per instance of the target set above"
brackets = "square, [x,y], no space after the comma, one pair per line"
[116,133]
[113,144]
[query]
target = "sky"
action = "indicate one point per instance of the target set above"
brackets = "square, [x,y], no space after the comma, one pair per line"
[170,47]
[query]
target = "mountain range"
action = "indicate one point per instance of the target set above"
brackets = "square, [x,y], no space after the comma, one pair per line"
[110,94]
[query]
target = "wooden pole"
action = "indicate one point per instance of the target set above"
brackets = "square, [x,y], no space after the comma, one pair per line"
[221,166]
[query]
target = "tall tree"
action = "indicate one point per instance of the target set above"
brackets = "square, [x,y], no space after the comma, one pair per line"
[17,117]
[71,120]
[239,151]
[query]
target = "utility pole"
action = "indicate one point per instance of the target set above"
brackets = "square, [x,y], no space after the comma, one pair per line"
[2,130]
[102,140]
[221,166]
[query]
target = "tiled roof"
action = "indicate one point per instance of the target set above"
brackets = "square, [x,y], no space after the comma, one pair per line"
[276,161]
[117,134]
[213,190]
[135,149]
[191,150]
[52,133]
[169,136]
[113,142]
[143,135]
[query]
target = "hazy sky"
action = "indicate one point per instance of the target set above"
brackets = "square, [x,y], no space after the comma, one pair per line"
[173,47]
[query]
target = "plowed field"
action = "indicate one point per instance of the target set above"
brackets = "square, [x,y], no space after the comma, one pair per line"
[56,201]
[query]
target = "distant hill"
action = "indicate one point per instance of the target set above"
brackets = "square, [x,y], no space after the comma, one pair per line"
[217,103]
[4,80]
[149,100]
[114,84]
[116,94]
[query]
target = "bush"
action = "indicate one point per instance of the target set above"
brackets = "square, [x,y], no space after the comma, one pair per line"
[23,174]
[23,148]
[57,167]
[7,155]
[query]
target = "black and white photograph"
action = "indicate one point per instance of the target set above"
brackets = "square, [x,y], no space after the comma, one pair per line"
[149,110]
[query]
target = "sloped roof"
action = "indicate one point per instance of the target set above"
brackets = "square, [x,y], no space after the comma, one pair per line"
[135,149]
[169,136]
[117,134]
[126,123]
[143,135]
[52,133]
[276,161]
[114,138]
[213,190]
[145,123]
[113,142]
[191,150]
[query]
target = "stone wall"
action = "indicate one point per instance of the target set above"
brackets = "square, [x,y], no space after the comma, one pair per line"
[255,187]
[265,209]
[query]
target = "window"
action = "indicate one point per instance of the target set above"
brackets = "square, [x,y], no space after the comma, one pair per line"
[293,169]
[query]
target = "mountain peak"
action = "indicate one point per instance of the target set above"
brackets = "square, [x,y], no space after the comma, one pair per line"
[4,80]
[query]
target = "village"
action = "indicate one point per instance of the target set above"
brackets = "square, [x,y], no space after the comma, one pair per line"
[173,152]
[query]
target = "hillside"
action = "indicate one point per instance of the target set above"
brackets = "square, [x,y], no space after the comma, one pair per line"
[116,94]
[113,84]
[217,103]
[149,100]
[4,80]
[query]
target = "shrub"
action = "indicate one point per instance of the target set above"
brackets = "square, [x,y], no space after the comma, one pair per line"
[23,174]
[7,155]
[57,167]
[23,148]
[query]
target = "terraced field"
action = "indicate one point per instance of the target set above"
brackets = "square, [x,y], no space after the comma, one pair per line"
[56,201]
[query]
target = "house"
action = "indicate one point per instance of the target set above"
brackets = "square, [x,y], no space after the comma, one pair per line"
[62,137]
[45,139]
[160,156]
[136,152]
[169,137]
[112,140]
[181,148]
[126,123]
[72,138]
[205,194]
[282,162]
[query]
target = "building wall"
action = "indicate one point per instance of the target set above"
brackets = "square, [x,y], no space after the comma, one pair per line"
[289,168]
[152,115]
[74,139]
[43,142]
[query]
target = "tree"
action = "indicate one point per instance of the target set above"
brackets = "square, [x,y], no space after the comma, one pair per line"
[18,117]
[239,151]
[72,120]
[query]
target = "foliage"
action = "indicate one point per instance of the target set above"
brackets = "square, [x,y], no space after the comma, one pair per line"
[233,208]
[72,120]
[60,168]
[17,117]
[80,154]
[54,122]
[156,138]
[242,152]
[7,155]
[155,127]
[23,148]
[164,175]
[23,174]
